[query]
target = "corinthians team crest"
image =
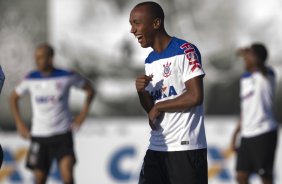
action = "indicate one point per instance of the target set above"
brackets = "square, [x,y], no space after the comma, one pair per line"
[167,70]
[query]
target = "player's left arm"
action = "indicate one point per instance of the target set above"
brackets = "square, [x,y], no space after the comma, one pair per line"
[192,97]
[90,93]
[235,134]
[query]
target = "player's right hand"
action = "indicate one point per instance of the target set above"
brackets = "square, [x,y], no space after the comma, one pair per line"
[23,130]
[152,124]
[142,82]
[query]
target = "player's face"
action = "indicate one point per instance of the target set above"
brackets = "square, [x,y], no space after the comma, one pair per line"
[142,26]
[42,60]
[250,60]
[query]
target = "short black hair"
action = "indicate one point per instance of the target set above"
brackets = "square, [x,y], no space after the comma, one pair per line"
[48,48]
[260,51]
[156,9]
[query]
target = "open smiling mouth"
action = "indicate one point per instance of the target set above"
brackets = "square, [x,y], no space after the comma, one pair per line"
[139,38]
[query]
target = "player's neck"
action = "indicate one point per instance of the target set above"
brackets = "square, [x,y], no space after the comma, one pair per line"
[47,71]
[161,42]
[258,69]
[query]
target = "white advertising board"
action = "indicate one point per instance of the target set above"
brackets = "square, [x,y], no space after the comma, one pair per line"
[111,151]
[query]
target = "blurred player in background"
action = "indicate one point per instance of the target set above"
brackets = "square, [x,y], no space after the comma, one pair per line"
[52,122]
[171,92]
[2,79]
[257,125]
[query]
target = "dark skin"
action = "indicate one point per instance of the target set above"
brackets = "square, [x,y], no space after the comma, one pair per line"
[252,64]
[44,64]
[150,32]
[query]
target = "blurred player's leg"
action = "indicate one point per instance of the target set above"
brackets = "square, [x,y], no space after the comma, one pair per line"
[40,176]
[242,177]
[66,165]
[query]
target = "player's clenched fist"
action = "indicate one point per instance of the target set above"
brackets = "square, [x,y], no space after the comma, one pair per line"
[142,81]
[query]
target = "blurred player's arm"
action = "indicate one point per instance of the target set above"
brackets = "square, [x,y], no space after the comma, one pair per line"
[235,135]
[2,79]
[21,126]
[90,93]
[145,98]
[193,96]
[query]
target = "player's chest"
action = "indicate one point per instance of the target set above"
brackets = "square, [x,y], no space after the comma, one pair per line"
[163,70]
[49,86]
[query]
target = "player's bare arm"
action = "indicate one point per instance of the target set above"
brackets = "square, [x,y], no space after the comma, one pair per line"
[21,126]
[90,93]
[234,136]
[145,98]
[193,96]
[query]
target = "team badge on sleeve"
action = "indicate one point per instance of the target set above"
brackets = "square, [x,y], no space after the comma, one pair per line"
[191,55]
[167,70]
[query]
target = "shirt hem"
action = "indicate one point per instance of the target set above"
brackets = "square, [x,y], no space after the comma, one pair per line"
[46,135]
[171,149]
[259,133]
[196,74]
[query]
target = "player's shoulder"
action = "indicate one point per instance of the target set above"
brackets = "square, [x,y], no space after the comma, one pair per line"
[270,71]
[246,75]
[34,74]
[183,45]
[181,42]
[176,47]
[62,72]
[2,76]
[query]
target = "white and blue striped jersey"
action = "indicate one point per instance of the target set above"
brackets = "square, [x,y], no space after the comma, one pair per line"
[2,79]
[256,93]
[49,99]
[178,63]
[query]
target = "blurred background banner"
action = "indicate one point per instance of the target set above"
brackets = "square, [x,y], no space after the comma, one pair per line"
[111,151]
[93,37]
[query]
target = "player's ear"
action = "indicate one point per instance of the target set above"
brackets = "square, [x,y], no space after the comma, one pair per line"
[157,23]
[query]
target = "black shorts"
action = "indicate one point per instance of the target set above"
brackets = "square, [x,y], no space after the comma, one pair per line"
[256,154]
[179,167]
[43,150]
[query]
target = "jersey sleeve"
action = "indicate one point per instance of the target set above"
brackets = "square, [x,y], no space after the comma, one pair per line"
[78,80]
[22,87]
[2,79]
[191,65]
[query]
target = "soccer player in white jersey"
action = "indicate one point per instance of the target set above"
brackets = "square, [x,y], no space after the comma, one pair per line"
[257,125]
[52,123]
[171,92]
[2,79]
